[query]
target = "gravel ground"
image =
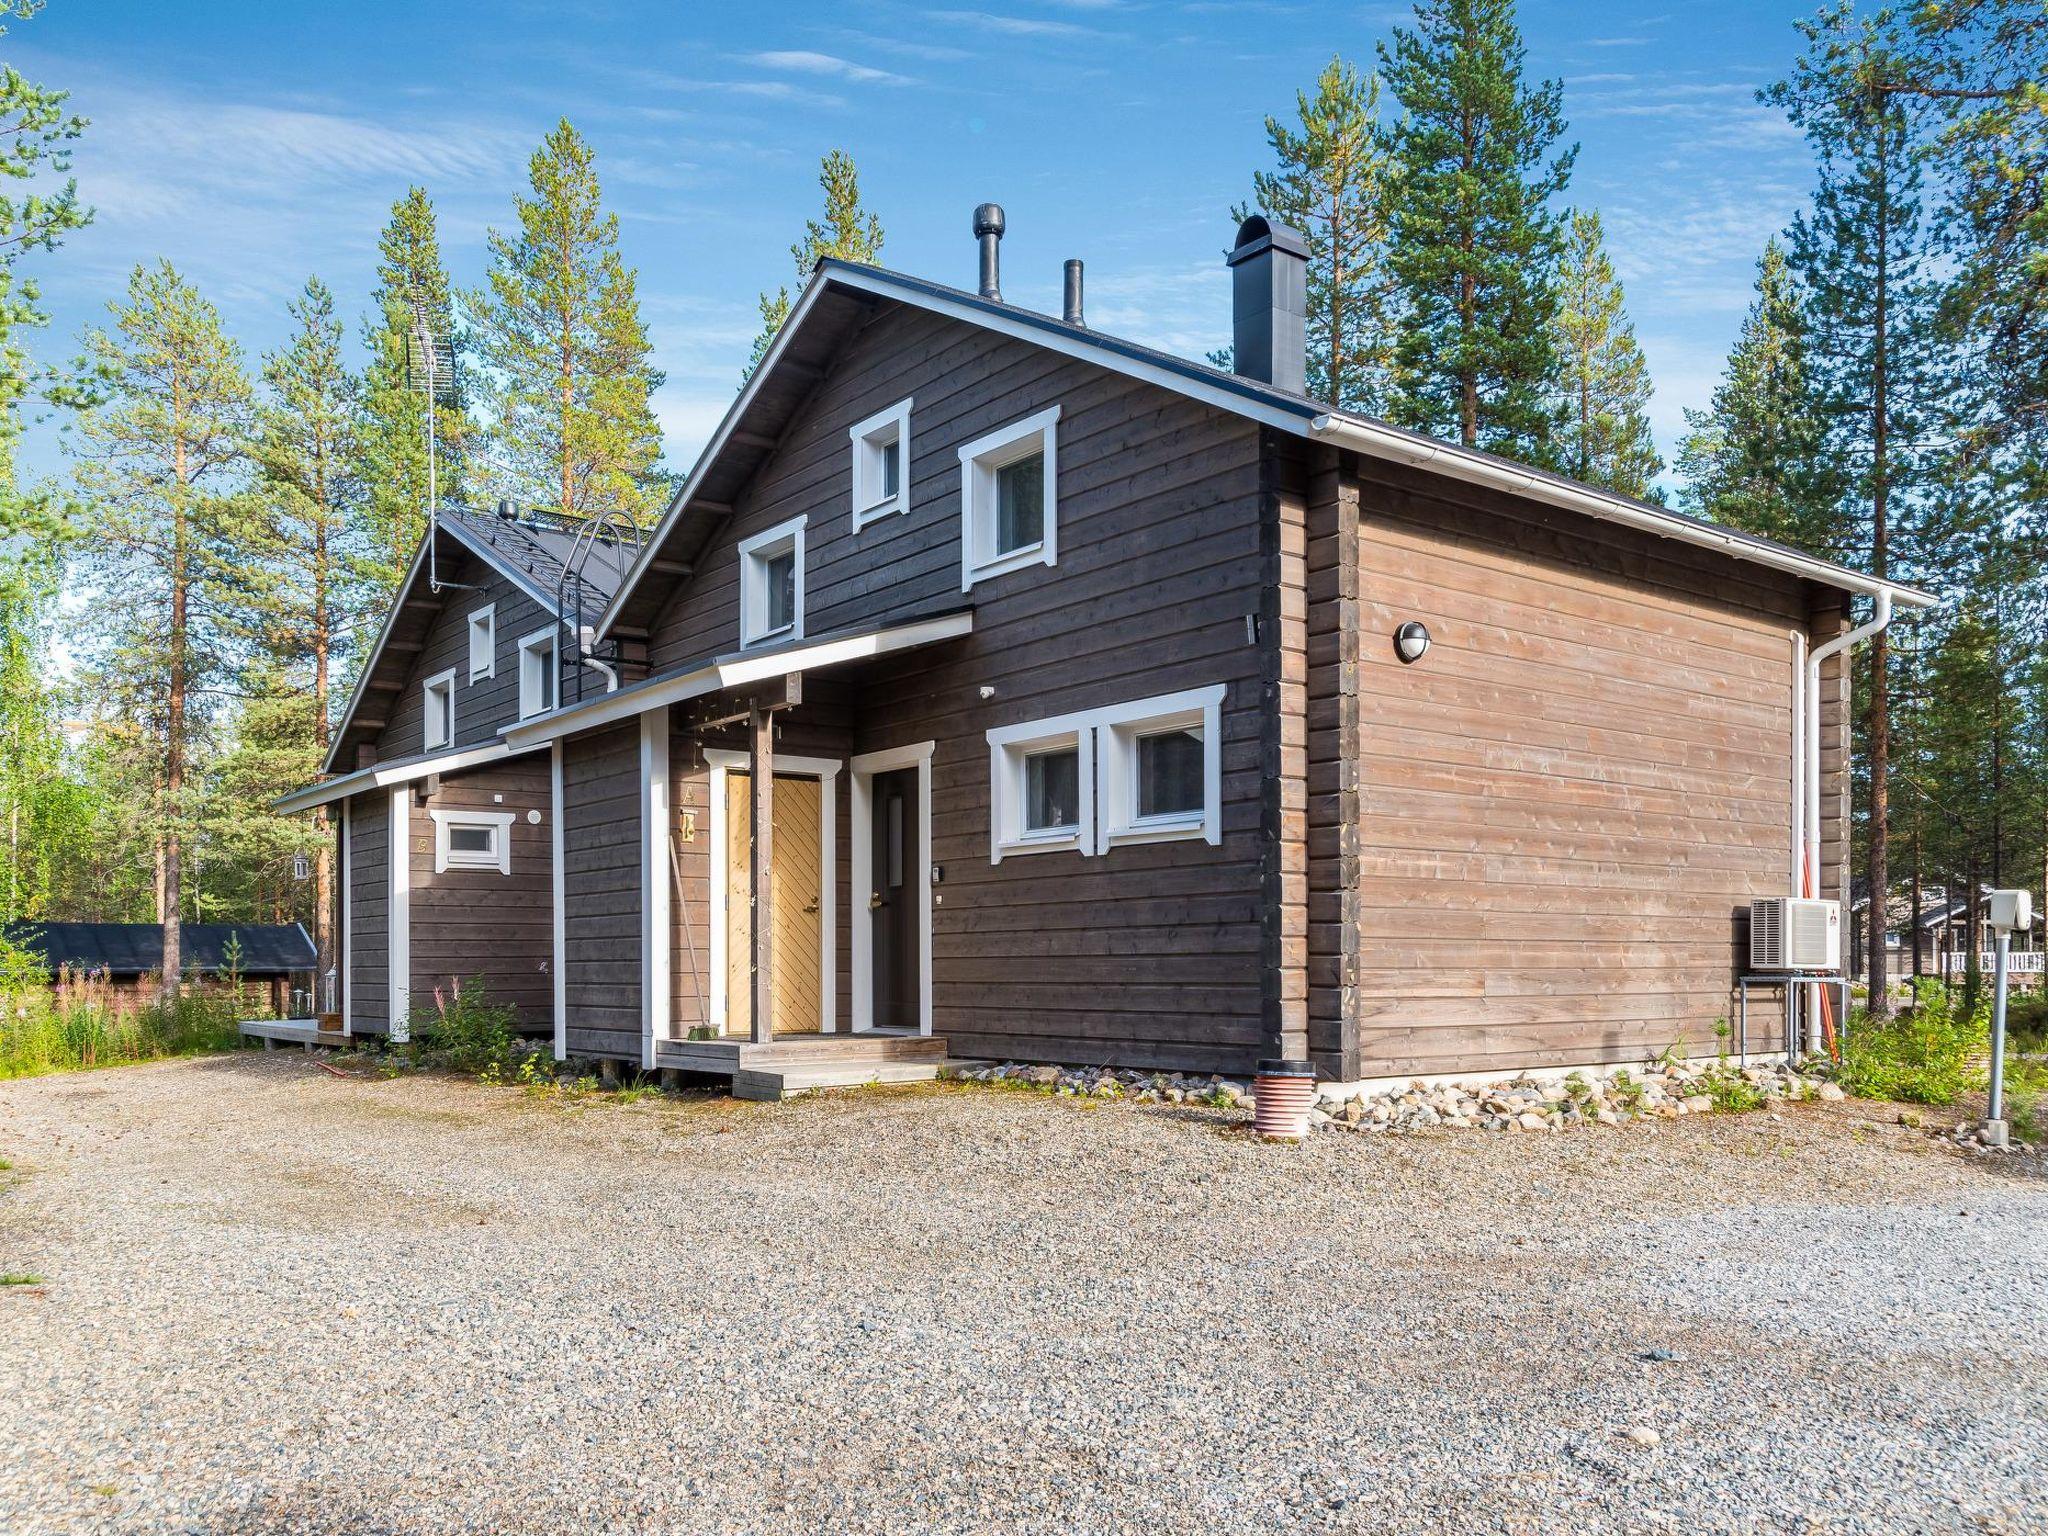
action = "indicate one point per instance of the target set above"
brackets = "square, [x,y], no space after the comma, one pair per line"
[279,1301]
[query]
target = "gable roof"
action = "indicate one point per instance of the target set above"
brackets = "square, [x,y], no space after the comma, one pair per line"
[137,949]
[842,295]
[531,551]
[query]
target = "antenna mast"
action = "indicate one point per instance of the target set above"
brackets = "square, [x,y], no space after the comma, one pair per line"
[430,368]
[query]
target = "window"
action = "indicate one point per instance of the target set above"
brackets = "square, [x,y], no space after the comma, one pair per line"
[472,840]
[772,584]
[1008,516]
[1144,772]
[438,697]
[483,643]
[881,464]
[537,673]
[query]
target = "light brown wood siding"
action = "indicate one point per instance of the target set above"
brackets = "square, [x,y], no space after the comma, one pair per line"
[601,878]
[478,924]
[1566,806]
[369,914]
[482,706]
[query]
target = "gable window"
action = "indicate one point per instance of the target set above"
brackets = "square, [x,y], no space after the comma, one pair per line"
[772,584]
[881,464]
[483,643]
[1008,512]
[537,673]
[472,840]
[437,695]
[1148,771]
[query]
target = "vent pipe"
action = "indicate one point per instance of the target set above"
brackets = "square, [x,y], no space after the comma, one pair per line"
[508,509]
[1269,304]
[1070,306]
[988,230]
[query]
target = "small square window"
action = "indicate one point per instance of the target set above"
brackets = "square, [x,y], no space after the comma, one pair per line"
[538,673]
[472,840]
[437,697]
[880,449]
[1043,790]
[1170,773]
[1008,488]
[772,585]
[1161,768]
[1052,790]
[483,643]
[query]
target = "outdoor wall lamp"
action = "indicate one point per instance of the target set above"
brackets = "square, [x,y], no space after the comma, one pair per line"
[1410,641]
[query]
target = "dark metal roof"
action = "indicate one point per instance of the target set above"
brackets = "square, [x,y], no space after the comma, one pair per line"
[137,949]
[533,550]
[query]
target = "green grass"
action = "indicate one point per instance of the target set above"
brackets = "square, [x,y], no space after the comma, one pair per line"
[41,1033]
[16,1277]
[1931,1053]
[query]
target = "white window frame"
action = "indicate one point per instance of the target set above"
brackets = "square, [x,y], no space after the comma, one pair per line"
[1008,748]
[497,823]
[529,705]
[1116,759]
[869,437]
[979,461]
[486,620]
[1106,738]
[428,740]
[755,553]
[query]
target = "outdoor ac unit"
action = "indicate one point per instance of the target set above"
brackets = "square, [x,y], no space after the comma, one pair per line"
[1790,933]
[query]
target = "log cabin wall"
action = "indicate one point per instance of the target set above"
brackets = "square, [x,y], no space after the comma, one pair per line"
[368,942]
[470,924]
[1566,806]
[601,891]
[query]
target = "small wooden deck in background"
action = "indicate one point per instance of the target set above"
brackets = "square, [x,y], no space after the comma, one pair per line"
[800,1063]
[304,1032]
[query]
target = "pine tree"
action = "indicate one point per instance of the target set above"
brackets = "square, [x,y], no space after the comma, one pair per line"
[1858,253]
[559,326]
[848,231]
[1473,241]
[1605,438]
[313,596]
[159,465]
[1757,457]
[1334,184]
[391,442]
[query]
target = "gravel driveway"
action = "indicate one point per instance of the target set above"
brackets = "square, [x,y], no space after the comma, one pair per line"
[280,1301]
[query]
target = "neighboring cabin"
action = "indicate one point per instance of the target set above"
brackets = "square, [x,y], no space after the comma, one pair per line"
[1071,668]
[125,960]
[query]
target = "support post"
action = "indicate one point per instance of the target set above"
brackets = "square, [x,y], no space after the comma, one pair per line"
[760,865]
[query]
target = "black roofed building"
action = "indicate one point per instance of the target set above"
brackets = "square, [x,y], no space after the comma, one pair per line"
[277,956]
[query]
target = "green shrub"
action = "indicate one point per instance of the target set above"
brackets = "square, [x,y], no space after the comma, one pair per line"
[83,1022]
[1929,1054]
[2026,1021]
[466,1030]
[2026,1098]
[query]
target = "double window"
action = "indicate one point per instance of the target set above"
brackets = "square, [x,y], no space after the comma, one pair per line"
[483,642]
[472,840]
[1009,517]
[772,584]
[1143,772]
[537,673]
[881,464]
[437,698]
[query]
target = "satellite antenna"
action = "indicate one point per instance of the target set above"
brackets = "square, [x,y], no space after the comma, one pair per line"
[430,369]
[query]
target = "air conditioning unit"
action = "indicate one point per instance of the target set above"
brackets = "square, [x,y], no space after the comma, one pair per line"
[1791,933]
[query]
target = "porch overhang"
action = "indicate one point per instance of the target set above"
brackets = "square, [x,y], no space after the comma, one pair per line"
[385,775]
[740,669]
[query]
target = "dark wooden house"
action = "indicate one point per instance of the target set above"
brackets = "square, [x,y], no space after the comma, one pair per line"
[276,960]
[1000,687]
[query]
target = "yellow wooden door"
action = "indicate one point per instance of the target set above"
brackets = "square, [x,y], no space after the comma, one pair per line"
[797,865]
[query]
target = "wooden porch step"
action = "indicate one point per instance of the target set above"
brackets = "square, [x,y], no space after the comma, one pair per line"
[768,1084]
[802,1063]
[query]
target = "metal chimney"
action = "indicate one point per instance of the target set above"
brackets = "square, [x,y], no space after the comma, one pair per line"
[988,229]
[1070,307]
[1269,304]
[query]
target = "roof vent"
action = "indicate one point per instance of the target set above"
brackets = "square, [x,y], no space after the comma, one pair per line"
[1269,304]
[988,229]
[508,509]
[1070,307]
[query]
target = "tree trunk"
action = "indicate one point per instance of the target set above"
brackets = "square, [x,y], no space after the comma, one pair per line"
[1878,977]
[174,714]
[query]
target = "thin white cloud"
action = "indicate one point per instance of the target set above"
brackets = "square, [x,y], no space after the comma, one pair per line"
[806,62]
[1014,26]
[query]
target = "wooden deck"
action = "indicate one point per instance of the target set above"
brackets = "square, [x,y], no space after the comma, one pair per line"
[801,1063]
[306,1032]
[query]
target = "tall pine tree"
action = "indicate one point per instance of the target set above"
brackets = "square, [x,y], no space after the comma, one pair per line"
[848,231]
[558,323]
[1757,458]
[1605,436]
[160,467]
[1859,255]
[391,442]
[1334,183]
[1474,242]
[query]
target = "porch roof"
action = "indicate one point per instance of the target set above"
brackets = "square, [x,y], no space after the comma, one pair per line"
[738,669]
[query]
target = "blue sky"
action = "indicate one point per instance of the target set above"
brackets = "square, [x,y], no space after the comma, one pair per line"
[255,143]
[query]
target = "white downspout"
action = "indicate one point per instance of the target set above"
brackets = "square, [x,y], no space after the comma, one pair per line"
[611,677]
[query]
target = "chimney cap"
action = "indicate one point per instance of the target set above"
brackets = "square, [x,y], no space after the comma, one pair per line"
[1258,233]
[988,219]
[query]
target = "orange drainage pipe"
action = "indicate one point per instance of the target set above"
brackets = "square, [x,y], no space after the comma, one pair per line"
[1282,1096]
[1827,1003]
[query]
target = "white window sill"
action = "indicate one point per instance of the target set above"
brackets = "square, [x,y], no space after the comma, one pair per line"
[769,637]
[1065,840]
[1165,829]
[1016,560]
[892,506]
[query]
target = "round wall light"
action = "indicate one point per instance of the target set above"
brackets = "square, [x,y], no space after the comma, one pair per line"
[1410,641]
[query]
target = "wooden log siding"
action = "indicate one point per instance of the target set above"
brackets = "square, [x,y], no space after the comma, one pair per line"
[369,913]
[1566,806]
[478,923]
[1334,762]
[481,707]
[1829,619]
[601,889]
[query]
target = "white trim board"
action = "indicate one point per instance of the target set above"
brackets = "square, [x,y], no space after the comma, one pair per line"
[399,959]
[862,770]
[558,883]
[655,936]
[345,948]
[721,763]
[402,772]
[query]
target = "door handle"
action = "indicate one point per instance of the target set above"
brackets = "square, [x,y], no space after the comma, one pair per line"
[811,905]
[875,901]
